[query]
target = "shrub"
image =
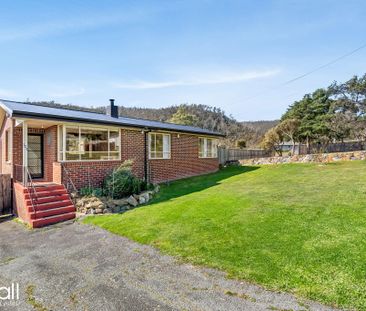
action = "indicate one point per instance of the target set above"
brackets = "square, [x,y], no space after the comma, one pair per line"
[241,144]
[90,191]
[121,182]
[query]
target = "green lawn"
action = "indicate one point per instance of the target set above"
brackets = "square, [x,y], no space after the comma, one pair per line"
[296,227]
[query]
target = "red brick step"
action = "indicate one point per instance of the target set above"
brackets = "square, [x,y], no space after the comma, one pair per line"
[39,214]
[45,221]
[43,194]
[48,199]
[49,205]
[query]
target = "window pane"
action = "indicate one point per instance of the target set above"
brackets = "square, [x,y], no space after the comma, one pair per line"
[60,142]
[166,146]
[209,148]
[201,146]
[152,143]
[72,156]
[93,144]
[114,155]
[214,148]
[159,143]
[114,141]
[72,144]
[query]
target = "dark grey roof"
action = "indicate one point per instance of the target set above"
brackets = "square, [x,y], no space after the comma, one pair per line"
[18,109]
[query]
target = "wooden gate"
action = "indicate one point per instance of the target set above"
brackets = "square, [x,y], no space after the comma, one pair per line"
[5,195]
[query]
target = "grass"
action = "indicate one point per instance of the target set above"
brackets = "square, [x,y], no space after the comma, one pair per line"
[299,228]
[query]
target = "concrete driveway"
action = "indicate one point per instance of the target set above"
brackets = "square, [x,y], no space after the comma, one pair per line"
[72,266]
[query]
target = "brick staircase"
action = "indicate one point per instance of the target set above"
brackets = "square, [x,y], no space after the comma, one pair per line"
[51,205]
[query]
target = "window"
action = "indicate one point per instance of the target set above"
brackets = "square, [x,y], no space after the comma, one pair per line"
[159,146]
[87,144]
[7,146]
[207,147]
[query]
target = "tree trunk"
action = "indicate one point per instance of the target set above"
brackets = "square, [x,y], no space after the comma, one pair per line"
[293,147]
[307,145]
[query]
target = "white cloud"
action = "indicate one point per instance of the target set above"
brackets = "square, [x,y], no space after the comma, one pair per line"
[79,23]
[216,78]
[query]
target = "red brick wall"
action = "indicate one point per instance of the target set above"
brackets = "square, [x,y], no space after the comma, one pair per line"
[19,203]
[6,166]
[184,161]
[89,173]
[132,142]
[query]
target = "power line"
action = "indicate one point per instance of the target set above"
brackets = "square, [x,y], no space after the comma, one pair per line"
[311,71]
[326,65]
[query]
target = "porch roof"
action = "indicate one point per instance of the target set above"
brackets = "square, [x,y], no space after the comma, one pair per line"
[26,110]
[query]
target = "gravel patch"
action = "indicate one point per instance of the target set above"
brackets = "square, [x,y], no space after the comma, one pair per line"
[72,266]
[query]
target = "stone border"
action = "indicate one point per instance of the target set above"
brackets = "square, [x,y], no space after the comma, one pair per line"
[308,158]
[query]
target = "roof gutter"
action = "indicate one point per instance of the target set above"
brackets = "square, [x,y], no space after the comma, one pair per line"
[66,118]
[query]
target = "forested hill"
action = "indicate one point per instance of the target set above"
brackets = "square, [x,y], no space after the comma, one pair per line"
[198,115]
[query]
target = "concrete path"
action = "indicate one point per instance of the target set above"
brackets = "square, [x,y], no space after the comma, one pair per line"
[72,266]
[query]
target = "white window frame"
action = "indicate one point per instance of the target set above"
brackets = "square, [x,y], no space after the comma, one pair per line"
[62,137]
[168,152]
[205,150]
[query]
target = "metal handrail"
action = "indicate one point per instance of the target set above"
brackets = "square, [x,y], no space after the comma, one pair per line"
[30,185]
[27,181]
[69,182]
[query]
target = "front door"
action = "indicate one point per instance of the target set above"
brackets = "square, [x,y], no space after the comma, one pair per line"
[35,155]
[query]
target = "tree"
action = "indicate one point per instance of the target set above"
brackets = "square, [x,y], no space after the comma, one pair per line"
[289,129]
[341,125]
[241,144]
[272,141]
[351,95]
[313,112]
[183,117]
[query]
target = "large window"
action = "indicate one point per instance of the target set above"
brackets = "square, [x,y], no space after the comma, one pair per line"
[84,144]
[207,147]
[159,146]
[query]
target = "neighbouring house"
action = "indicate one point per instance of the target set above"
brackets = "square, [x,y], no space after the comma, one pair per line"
[46,149]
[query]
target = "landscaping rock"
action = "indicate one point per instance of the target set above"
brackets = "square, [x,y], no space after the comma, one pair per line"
[110,204]
[132,201]
[309,158]
[144,197]
[120,202]
[116,209]
[84,204]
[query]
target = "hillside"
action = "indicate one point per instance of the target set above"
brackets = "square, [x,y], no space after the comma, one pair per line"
[207,117]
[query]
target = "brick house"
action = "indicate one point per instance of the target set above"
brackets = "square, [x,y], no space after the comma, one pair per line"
[44,149]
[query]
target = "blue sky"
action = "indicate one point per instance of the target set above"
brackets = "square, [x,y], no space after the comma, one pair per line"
[235,55]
